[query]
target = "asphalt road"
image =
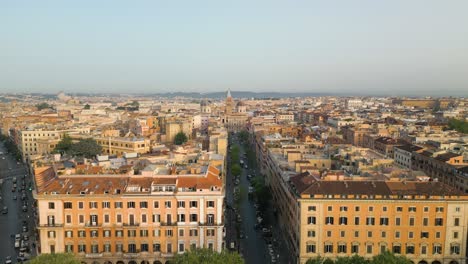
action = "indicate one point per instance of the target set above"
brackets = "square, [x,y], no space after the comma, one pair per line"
[11,223]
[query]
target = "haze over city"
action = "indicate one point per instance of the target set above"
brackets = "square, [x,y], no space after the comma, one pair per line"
[376,47]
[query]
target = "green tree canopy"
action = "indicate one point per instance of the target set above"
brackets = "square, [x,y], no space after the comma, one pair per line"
[87,107]
[384,258]
[60,258]
[64,145]
[180,138]
[208,256]
[87,148]
[458,125]
[236,169]
[43,106]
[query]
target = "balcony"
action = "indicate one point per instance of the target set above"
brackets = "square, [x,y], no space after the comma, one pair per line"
[168,224]
[51,225]
[131,224]
[131,255]
[94,255]
[92,224]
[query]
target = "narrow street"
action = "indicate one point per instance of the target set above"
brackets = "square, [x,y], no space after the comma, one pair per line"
[251,241]
[11,223]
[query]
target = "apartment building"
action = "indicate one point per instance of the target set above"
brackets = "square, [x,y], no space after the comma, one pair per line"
[121,145]
[130,219]
[43,141]
[425,221]
[403,155]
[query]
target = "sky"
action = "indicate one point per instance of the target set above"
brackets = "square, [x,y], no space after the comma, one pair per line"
[392,47]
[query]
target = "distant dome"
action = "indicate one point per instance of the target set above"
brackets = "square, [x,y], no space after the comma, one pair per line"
[203,103]
[240,103]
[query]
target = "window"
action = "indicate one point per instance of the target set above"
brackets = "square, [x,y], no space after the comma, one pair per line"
[181,247]
[311,233]
[355,249]
[156,218]
[330,208]
[384,208]
[51,234]
[106,205]
[107,248]
[410,234]
[80,205]
[439,222]
[107,233]
[143,218]
[455,235]
[119,233]
[457,209]
[94,233]
[81,233]
[371,208]
[118,247]
[210,204]
[131,233]
[81,248]
[437,249]
[456,221]
[193,217]
[181,232]
[383,234]
[423,250]
[329,233]
[69,248]
[68,233]
[169,233]
[342,233]
[181,218]
[328,248]
[167,204]
[169,248]
[343,220]
[439,209]
[425,221]
[424,234]
[342,248]
[411,221]
[356,233]
[68,219]
[410,249]
[310,248]
[397,234]
[397,221]
[369,249]
[312,208]
[130,204]
[156,232]
[412,209]
[357,208]
[454,249]
[210,232]
[119,218]
[343,208]
[437,234]
[155,204]
[384,221]
[143,204]
[106,218]
[193,204]
[143,233]
[132,248]
[369,233]
[426,209]
[93,205]
[356,220]
[329,220]
[157,247]
[397,249]
[370,221]
[118,205]
[399,209]
[67,205]
[81,219]
[193,232]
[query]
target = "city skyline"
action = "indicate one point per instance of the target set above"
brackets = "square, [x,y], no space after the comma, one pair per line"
[390,48]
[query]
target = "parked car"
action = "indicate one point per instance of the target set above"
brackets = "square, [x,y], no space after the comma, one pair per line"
[5,210]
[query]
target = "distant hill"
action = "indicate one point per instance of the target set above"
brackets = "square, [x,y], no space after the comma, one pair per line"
[239,94]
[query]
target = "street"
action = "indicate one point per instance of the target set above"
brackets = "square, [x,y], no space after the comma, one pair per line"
[11,223]
[251,242]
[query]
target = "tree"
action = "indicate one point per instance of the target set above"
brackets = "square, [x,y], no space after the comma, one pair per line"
[389,258]
[64,145]
[208,256]
[87,148]
[180,138]
[87,107]
[236,170]
[459,125]
[43,106]
[60,258]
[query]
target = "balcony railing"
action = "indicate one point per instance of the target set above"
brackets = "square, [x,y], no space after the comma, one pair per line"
[94,255]
[131,224]
[168,224]
[51,225]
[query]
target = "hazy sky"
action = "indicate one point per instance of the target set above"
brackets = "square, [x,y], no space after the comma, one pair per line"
[394,46]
